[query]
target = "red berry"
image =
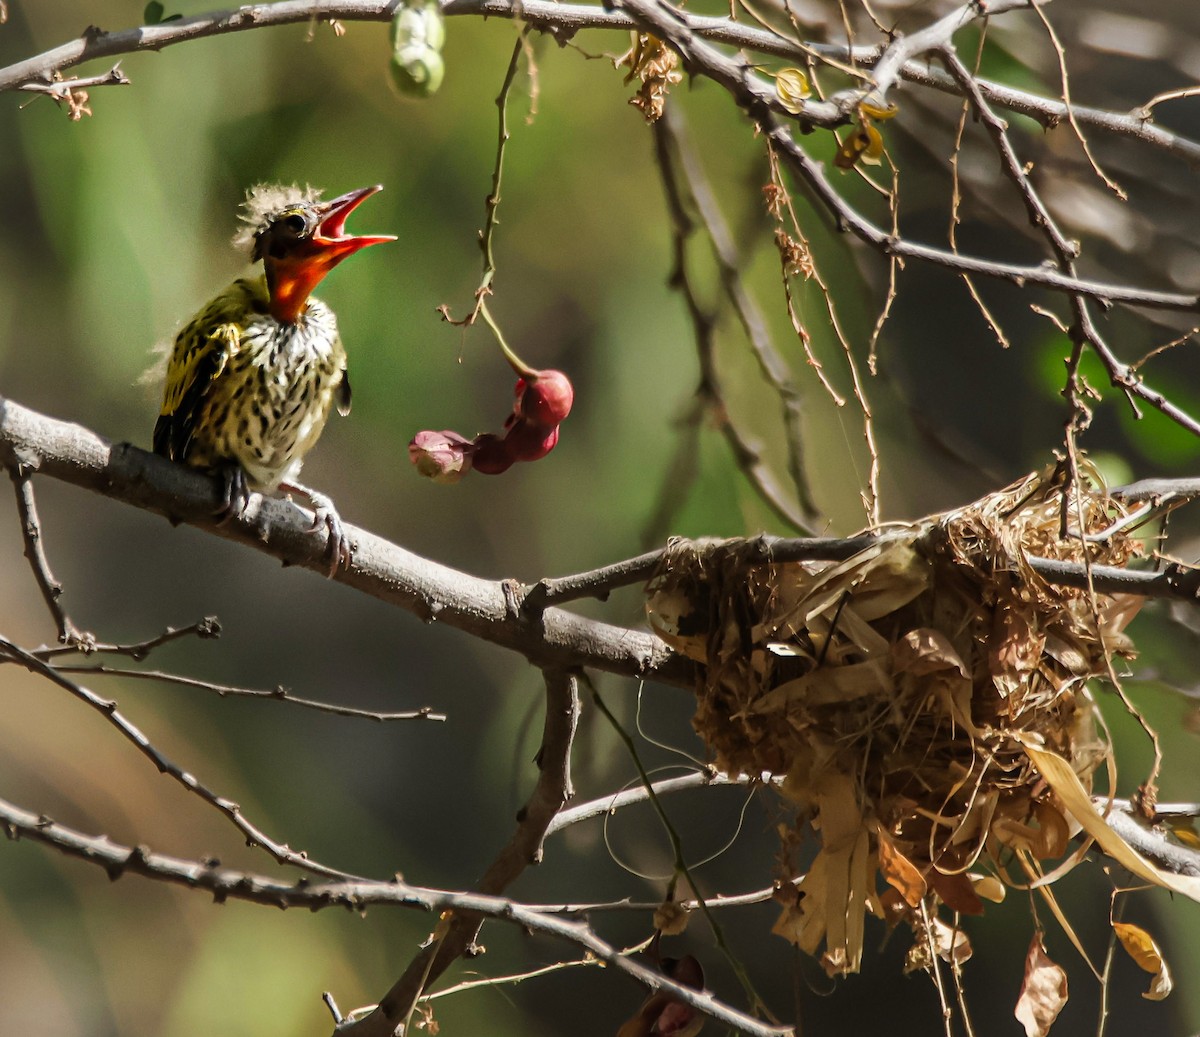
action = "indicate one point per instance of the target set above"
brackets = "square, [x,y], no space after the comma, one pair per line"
[490,454]
[544,399]
[527,442]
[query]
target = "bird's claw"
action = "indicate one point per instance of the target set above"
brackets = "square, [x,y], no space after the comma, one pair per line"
[235,494]
[325,514]
[339,544]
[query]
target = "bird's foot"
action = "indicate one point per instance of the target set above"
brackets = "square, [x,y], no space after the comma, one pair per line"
[325,514]
[235,494]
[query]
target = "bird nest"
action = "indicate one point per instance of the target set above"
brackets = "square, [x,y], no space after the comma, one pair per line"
[905,697]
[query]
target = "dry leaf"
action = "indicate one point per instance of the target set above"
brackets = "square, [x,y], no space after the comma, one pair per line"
[661,1013]
[1043,991]
[989,888]
[1016,647]
[1142,949]
[791,87]
[1182,830]
[671,918]
[957,892]
[676,611]
[950,943]
[899,872]
[1063,779]
[924,651]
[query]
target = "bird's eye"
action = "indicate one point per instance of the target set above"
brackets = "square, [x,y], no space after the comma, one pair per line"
[295,223]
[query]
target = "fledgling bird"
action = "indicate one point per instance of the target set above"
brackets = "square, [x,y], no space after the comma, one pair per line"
[252,377]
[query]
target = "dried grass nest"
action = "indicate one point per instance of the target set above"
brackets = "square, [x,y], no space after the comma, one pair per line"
[925,702]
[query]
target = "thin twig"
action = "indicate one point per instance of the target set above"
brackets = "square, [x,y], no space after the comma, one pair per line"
[607,805]
[279,694]
[229,884]
[492,204]
[956,204]
[60,88]
[564,20]
[686,31]
[709,392]
[757,101]
[1083,330]
[516,978]
[107,708]
[551,791]
[208,627]
[31,532]
[757,1004]
[717,900]
[677,159]
[1116,912]
[1065,81]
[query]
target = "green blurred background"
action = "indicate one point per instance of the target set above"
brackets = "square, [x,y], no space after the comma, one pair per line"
[116,228]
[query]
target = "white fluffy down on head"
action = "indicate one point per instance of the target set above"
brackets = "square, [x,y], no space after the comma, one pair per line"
[265,200]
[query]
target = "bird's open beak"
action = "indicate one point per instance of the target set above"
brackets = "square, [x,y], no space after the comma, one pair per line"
[331,238]
[294,277]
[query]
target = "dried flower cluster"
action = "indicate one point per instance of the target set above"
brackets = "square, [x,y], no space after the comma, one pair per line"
[657,66]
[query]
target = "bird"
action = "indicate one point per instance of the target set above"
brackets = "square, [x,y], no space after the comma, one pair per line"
[252,377]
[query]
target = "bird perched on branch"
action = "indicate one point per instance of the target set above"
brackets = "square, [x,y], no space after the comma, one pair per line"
[252,377]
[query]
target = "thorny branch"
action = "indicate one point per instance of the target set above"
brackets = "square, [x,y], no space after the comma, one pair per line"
[356,895]
[688,34]
[107,708]
[552,790]
[31,530]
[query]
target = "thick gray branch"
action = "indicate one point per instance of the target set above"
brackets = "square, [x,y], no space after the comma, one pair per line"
[432,592]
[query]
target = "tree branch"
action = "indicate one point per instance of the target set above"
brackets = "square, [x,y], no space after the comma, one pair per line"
[509,614]
[208,627]
[562,21]
[432,592]
[69,636]
[553,789]
[229,884]
[686,34]
[276,694]
[758,103]
[107,708]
